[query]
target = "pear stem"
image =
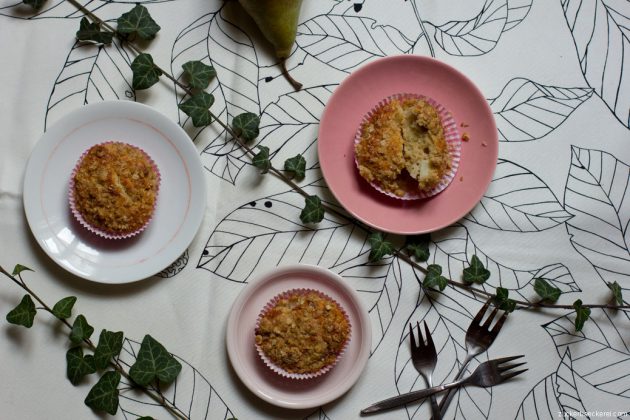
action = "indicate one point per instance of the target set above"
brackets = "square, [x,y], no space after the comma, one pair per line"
[296,85]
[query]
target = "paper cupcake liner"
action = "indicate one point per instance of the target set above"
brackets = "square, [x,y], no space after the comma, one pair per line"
[102,232]
[301,376]
[451,135]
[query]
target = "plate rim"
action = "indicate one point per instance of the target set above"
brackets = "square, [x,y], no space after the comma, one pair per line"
[128,109]
[260,281]
[367,67]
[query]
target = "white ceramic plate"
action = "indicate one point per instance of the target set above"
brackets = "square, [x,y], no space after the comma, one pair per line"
[259,378]
[181,199]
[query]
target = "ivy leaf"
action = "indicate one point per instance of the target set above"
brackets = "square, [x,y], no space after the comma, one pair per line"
[145,72]
[81,330]
[63,308]
[297,165]
[261,159]
[35,4]
[19,268]
[418,246]
[104,394]
[380,247]
[502,301]
[92,32]
[198,74]
[109,346]
[198,108]
[313,211]
[476,272]
[78,366]
[546,291]
[24,313]
[246,126]
[434,278]
[138,21]
[154,361]
[581,315]
[616,290]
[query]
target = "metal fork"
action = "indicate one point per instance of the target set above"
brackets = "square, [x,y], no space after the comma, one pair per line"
[424,358]
[478,339]
[489,373]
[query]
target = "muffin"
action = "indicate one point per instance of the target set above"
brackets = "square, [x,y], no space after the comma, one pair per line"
[302,333]
[113,189]
[402,147]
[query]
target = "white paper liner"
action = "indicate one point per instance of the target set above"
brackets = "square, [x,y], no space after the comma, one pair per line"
[451,135]
[101,232]
[301,376]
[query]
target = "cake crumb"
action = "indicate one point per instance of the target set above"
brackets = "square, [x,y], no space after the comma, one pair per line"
[484,144]
[461,178]
[464,125]
[465,136]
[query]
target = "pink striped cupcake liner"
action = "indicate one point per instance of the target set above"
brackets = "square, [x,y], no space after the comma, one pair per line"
[279,370]
[98,231]
[451,135]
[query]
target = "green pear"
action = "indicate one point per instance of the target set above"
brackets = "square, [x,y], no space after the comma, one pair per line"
[277,20]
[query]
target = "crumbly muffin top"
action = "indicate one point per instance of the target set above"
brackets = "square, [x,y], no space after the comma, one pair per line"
[303,332]
[402,147]
[115,187]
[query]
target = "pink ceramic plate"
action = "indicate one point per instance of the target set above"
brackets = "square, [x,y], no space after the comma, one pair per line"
[361,91]
[268,385]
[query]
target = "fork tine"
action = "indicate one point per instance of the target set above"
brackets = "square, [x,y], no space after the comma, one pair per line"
[412,338]
[512,374]
[477,319]
[490,318]
[420,337]
[497,327]
[497,362]
[508,367]
[428,336]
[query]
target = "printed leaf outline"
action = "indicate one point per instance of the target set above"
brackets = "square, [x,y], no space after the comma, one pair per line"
[556,395]
[176,267]
[191,392]
[257,236]
[476,36]
[452,248]
[320,414]
[346,42]
[91,73]
[517,12]
[596,194]
[447,318]
[235,91]
[517,200]
[526,110]
[601,351]
[602,41]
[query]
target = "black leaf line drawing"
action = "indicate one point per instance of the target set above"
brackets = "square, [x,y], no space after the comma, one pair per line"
[601,351]
[176,267]
[62,9]
[596,194]
[447,318]
[235,88]
[555,396]
[453,247]
[320,414]
[90,74]
[478,35]
[516,13]
[526,110]
[519,201]
[191,392]
[266,233]
[601,37]
[346,42]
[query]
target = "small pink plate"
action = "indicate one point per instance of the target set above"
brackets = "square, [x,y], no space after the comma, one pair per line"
[268,385]
[359,93]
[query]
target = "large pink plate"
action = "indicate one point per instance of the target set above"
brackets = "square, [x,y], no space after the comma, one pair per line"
[361,91]
[259,378]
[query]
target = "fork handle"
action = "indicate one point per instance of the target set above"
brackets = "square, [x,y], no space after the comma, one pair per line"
[409,397]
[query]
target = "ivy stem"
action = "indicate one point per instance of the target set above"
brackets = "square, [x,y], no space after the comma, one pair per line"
[521,303]
[157,398]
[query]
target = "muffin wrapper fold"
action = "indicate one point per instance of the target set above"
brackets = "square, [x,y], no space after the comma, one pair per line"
[451,135]
[96,230]
[277,369]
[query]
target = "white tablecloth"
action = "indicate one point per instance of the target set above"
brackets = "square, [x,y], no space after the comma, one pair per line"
[556,76]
